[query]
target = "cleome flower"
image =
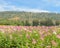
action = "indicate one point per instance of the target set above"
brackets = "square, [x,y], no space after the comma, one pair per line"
[54,43]
[27,35]
[34,41]
[48,46]
[58,36]
[54,32]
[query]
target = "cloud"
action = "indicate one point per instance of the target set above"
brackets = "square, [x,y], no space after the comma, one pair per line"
[14,8]
[29,6]
[52,2]
[4,6]
[57,3]
[32,10]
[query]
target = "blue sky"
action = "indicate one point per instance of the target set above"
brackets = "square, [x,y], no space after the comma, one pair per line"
[30,5]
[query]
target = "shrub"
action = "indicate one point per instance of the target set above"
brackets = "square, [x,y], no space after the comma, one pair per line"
[35,22]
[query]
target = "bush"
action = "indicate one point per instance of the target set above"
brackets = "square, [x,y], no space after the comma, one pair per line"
[27,23]
[57,22]
[47,22]
[35,22]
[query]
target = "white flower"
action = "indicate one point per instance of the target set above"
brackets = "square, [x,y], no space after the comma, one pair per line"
[54,32]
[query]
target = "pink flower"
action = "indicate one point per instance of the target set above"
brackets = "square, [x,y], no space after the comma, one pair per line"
[54,43]
[27,35]
[33,41]
[58,36]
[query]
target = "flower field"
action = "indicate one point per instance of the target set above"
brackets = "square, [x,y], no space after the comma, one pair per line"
[29,36]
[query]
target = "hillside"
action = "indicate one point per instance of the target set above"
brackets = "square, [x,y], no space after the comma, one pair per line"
[16,16]
[27,15]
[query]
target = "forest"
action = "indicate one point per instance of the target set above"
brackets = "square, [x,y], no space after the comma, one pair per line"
[29,18]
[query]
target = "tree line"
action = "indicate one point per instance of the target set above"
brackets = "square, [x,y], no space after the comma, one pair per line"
[35,22]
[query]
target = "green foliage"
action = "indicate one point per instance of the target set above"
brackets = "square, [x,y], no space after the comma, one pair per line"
[35,22]
[27,23]
[26,39]
[57,22]
[29,18]
[47,22]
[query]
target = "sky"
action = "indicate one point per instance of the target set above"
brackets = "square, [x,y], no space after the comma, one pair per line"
[30,5]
